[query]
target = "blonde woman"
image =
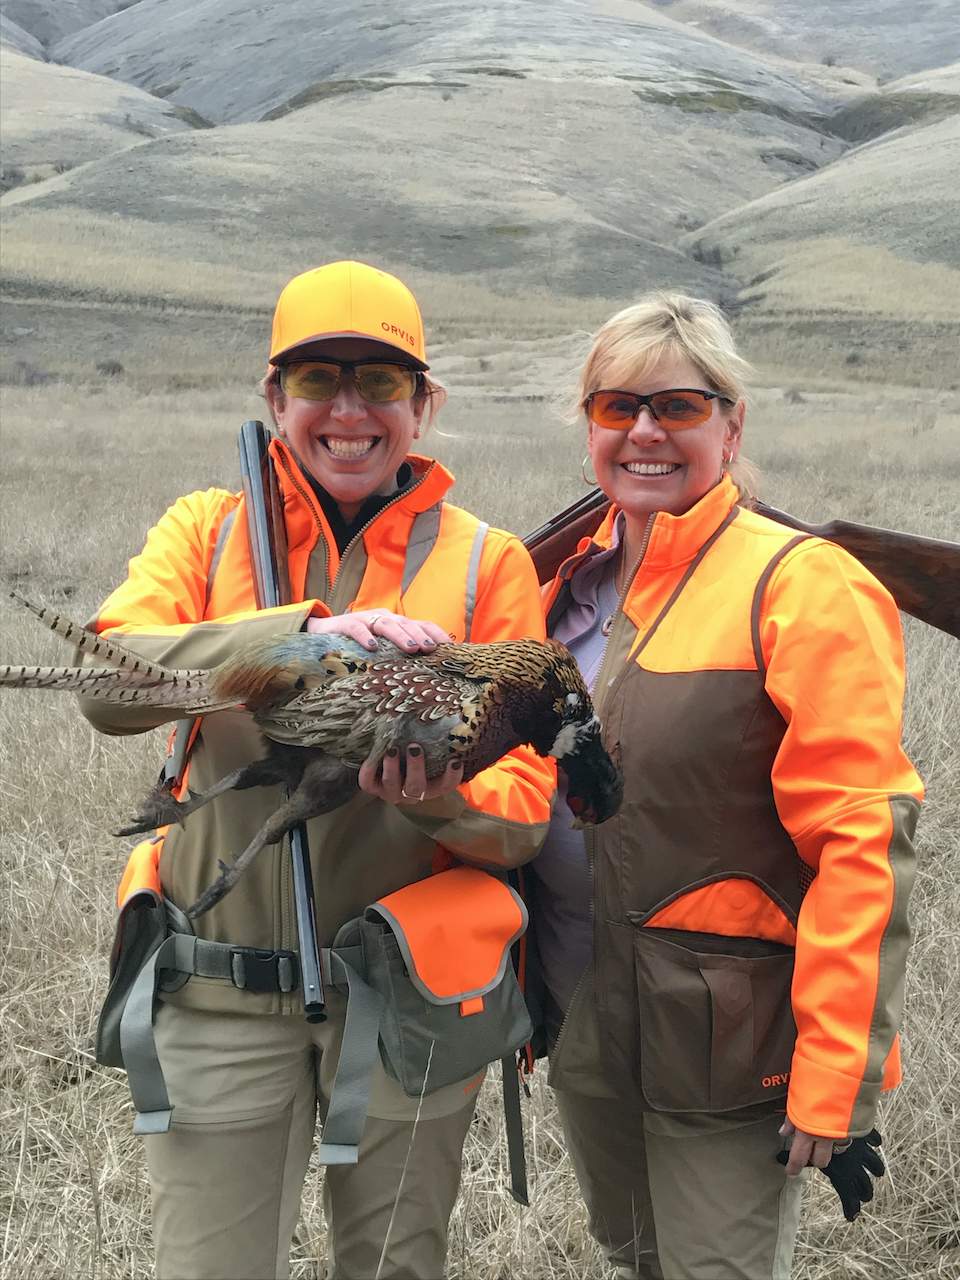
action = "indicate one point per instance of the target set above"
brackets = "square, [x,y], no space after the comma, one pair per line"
[724,957]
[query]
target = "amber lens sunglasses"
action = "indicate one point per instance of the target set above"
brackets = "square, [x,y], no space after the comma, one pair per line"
[376,381]
[676,409]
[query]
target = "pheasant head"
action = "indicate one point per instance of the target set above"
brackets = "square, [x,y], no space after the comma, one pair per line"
[549,706]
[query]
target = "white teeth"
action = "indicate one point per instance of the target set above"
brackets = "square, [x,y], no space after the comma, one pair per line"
[349,448]
[651,468]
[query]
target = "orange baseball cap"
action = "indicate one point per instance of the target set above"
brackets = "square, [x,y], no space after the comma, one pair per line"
[347,300]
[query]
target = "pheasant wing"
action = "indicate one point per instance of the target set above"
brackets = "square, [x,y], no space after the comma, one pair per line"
[388,703]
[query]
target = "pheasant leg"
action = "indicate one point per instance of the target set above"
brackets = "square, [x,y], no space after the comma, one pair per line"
[325,786]
[282,764]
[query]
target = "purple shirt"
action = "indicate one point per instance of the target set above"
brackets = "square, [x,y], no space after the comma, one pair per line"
[562,905]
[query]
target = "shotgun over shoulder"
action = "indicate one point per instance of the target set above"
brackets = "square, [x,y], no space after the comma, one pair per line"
[922,574]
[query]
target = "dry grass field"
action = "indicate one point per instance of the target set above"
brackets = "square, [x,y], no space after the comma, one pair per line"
[86,469]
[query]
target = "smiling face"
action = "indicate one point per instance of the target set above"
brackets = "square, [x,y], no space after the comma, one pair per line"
[650,468]
[352,448]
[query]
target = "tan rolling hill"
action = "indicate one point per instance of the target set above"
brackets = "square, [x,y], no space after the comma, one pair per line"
[868,248]
[515,200]
[13,36]
[885,37]
[525,175]
[53,118]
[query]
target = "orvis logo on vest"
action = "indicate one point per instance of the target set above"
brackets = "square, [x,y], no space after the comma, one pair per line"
[770,1082]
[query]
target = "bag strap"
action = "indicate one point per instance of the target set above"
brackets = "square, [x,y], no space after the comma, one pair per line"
[181,956]
[513,1120]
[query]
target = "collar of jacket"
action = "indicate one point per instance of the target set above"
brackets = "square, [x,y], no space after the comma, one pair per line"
[672,540]
[306,522]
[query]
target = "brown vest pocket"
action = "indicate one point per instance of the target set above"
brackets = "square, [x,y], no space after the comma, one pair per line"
[716,1025]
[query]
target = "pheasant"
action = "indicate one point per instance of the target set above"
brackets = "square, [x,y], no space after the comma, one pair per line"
[326,704]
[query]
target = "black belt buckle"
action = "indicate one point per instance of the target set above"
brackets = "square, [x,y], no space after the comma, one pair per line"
[253,969]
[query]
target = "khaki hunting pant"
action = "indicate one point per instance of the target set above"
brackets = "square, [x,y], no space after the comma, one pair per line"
[682,1198]
[226,1179]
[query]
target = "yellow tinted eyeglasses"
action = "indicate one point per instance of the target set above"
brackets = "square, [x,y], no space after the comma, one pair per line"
[377,381]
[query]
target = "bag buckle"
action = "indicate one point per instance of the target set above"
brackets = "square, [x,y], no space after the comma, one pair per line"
[253,969]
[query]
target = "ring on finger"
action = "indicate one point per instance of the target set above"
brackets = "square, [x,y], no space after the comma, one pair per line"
[413,799]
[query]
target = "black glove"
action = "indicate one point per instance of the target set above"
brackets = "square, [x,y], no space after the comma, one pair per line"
[849,1172]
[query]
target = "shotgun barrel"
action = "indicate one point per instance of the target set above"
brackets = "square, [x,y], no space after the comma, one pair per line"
[922,574]
[268,551]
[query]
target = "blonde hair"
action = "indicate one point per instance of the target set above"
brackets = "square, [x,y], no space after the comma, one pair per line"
[631,343]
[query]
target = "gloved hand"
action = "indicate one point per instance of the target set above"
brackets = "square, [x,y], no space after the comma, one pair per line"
[849,1172]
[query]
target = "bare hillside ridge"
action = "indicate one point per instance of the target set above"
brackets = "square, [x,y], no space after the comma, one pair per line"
[56,118]
[14,37]
[50,20]
[889,38]
[233,63]
[899,193]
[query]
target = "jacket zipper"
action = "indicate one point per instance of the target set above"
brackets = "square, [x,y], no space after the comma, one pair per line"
[360,532]
[589,836]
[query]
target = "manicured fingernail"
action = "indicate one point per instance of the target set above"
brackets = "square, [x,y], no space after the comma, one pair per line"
[411,644]
[458,764]
[413,751]
[393,752]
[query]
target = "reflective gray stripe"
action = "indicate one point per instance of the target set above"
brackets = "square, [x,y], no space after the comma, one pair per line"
[221,542]
[423,538]
[177,760]
[758,600]
[473,573]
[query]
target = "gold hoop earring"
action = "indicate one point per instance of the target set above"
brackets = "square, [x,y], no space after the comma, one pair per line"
[583,472]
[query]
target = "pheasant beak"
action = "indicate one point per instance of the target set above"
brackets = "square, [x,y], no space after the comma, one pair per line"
[594,783]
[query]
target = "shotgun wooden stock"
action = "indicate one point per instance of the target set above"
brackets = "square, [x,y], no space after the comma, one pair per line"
[922,574]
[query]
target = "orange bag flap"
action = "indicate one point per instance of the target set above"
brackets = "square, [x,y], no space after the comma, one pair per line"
[735,906]
[141,874]
[455,931]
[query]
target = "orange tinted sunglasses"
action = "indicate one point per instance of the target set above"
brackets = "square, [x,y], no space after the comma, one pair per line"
[676,409]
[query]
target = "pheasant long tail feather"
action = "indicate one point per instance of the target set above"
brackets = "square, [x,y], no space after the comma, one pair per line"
[130,677]
[108,685]
[107,650]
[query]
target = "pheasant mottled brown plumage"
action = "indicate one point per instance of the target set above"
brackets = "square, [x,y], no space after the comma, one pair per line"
[326,704]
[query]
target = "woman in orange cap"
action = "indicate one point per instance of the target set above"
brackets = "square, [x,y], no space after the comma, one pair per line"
[731,945]
[374,551]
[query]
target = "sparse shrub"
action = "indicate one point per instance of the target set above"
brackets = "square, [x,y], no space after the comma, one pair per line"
[11,175]
[110,368]
[63,166]
[24,374]
[793,396]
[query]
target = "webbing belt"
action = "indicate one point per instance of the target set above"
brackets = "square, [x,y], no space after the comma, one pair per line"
[183,954]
